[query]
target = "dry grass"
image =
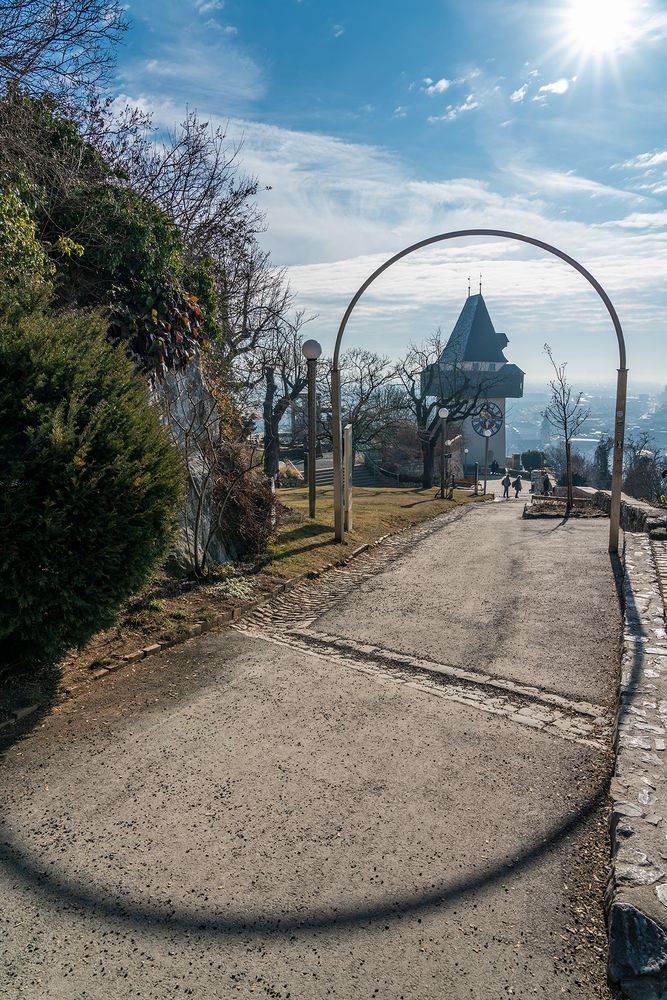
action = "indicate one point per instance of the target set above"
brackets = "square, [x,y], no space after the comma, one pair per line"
[303,545]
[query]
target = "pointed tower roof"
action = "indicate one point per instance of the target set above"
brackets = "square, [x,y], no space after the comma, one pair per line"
[474,337]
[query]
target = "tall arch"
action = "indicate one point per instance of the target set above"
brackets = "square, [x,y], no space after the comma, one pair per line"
[621,384]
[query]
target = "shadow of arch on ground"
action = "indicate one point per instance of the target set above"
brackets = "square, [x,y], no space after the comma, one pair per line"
[40,875]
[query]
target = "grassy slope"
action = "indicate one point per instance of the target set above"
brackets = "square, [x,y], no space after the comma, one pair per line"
[309,545]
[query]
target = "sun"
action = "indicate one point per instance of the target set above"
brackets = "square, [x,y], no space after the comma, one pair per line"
[600,27]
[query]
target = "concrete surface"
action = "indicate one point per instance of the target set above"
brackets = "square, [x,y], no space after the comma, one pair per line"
[243,817]
[530,598]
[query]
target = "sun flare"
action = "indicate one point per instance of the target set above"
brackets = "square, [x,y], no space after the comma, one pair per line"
[600,27]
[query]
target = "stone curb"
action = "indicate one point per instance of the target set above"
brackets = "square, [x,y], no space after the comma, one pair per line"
[636,897]
[198,628]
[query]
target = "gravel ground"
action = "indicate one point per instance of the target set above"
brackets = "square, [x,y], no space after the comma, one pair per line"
[239,818]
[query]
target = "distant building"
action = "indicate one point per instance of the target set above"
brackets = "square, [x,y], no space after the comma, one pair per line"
[473,357]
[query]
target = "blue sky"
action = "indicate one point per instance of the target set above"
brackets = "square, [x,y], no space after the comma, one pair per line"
[376,124]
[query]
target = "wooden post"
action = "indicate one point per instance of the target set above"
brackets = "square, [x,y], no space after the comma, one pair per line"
[337,433]
[348,456]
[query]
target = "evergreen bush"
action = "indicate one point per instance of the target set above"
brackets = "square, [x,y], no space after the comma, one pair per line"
[89,483]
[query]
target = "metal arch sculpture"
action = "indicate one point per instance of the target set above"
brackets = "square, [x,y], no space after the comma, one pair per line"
[621,386]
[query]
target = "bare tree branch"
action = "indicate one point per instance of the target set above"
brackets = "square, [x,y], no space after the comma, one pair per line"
[58,44]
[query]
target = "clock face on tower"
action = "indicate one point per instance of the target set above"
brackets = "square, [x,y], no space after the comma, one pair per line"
[487,417]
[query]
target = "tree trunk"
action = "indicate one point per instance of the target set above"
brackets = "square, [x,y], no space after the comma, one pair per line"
[271,442]
[427,464]
[271,449]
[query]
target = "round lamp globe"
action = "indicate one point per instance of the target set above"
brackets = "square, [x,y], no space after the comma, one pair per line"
[311,350]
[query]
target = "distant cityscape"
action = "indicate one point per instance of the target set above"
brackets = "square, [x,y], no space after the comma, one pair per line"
[646,413]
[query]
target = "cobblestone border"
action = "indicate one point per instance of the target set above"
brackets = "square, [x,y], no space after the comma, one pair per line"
[636,899]
[577,722]
[225,618]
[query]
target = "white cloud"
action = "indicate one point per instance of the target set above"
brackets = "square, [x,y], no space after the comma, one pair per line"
[206,6]
[518,95]
[569,183]
[337,209]
[646,160]
[557,87]
[642,220]
[400,111]
[468,77]
[211,67]
[437,87]
[227,29]
[454,110]
[658,187]
[338,30]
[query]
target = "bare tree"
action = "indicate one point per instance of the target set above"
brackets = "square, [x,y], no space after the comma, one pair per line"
[254,301]
[565,414]
[193,175]
[454,388]
[371,399]
[285,376]
[59,44]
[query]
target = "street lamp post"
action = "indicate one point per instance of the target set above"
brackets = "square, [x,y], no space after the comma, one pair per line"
[487,435]
[311,352]
[465,461]
[443,413]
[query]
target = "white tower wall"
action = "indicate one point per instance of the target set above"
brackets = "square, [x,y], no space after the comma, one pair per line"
[475,443]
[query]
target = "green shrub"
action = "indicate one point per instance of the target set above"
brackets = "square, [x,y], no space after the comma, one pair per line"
[22,257]
[533,459]
[104,244]
[89,484]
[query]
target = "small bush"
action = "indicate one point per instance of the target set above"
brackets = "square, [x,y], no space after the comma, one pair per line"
[89,484]
[248,511]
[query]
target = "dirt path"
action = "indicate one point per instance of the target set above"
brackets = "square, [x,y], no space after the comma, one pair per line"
[390,785]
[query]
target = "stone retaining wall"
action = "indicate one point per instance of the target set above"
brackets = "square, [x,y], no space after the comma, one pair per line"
[637,891]
[635,514]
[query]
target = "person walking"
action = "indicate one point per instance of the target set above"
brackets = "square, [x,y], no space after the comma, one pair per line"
[546,486]
[517,487]
[506,483]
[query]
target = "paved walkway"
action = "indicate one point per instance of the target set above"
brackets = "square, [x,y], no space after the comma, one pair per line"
[390,785]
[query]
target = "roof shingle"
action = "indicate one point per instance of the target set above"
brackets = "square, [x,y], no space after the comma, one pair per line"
[474,337]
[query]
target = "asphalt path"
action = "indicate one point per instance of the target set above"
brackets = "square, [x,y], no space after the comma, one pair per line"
[250,815]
